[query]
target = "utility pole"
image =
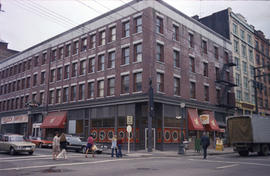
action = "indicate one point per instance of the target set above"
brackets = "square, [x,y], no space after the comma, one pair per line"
[150,116]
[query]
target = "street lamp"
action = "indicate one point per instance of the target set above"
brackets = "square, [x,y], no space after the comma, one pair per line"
[180,144]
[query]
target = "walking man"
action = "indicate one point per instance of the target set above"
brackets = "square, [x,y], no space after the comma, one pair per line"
[205,142]
[90,143]
[56,145]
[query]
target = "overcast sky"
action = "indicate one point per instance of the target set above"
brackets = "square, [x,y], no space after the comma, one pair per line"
[25,23]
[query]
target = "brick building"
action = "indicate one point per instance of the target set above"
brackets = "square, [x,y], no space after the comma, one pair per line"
[90,78]
[4,51]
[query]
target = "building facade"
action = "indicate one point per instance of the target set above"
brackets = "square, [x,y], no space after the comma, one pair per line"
[241,34]
[90,78]
[4,51]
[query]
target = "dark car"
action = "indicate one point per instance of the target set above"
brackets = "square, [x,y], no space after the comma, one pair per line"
[75,143]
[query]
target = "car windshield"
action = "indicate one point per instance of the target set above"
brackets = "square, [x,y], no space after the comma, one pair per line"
[16,139]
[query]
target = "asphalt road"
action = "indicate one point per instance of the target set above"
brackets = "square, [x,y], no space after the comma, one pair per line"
[41,163]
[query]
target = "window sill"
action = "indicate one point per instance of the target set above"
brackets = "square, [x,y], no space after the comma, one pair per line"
[137,33]
[111,42]
[99,97]
[178,96]
[124,65]
[90,98]
[137,62]
[160,62]
[161,92]
[194,99]
[125,37]
[111,68]
[123,94]
[110,96]
[139,92]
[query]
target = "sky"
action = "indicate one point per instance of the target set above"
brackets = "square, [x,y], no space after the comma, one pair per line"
[25,23]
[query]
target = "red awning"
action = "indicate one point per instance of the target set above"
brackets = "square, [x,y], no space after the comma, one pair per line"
[55,120]
[212,126]
[194,122]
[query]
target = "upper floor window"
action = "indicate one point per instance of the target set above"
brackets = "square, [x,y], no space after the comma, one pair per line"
[216,52]
[244,51]
[92,41]
[160,52]
[91,67]
[175,33]
[160,82]
[52,75]
[65,94]
[101,62]
[73,93]
[75,47]
[111,59]
[236,46]
[84,44]
[138,24]
[66,72]
[237,63]
[242,34]
[61,52]
[125,84]
[205,69]
[81,91]
[59,73]
[159,25]
[125,56]
[100,88]
[90,91]
[192,90]
[112,34]
[235,29]
[42,77]
[36,61]
[192,64]
[249,39]
[137,82]
[83,67]
[138,52]
[176,59]
[53,57]
[102,36]
[34,79]
[111,86]
[256,44]
[51,97]
[58,96]
[74,69]
[68,50]
[204,46]
[251,55]
[125,29]
[190,39]
[176,86]
[206,93]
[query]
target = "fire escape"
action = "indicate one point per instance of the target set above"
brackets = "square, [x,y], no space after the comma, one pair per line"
[227,98]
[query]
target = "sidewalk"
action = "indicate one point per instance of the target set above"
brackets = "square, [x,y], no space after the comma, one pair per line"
[158,153]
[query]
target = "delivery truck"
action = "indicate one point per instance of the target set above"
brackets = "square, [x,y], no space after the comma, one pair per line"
[249,133]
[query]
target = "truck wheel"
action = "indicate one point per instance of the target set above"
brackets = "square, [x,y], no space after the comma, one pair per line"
[243,153]
[12,151]
[264,150]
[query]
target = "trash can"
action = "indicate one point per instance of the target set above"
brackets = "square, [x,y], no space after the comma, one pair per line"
[186,144]
[181,149]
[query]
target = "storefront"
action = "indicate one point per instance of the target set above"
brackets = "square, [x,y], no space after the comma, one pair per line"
[15,124]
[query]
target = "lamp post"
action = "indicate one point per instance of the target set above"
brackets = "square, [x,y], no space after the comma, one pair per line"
[180,144]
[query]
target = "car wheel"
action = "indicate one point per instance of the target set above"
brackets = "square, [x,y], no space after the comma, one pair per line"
[12,151]
[83,149]
[31,153]
[264,150]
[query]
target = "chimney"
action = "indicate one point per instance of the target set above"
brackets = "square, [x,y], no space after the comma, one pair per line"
[3,45]
[196,17]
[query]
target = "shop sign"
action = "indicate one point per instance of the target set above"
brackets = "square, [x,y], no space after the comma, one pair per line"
[204,119]
[14,119]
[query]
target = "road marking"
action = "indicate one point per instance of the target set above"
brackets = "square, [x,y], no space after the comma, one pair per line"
[228,166]
[73,164]
[231,162]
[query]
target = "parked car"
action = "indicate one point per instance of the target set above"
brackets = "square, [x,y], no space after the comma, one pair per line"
[14,143]
[40,142]
[75,143]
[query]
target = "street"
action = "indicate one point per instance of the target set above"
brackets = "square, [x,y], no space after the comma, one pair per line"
[41,163]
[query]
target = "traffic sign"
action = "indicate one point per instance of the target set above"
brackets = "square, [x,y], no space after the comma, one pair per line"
[129,120]
[129,129]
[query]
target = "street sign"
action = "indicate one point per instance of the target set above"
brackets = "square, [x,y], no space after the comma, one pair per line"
[129,120]
[129,129]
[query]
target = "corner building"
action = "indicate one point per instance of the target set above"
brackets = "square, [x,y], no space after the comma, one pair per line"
[90,78]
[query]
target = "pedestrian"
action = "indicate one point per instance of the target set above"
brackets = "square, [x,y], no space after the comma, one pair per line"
[114,145]
[205,142]
[90,144]
[119,147]
[197,145]
[56,145]
[63,147]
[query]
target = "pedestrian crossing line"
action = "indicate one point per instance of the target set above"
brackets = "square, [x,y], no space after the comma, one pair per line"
[228,166]
[231,162]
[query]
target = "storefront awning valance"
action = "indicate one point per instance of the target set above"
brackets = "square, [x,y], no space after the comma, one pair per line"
[213,125]
[194,122]
[14,119]
[55,120]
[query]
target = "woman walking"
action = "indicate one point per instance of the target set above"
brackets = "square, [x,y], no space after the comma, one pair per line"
[114,146]
[90,143]
[56,145]
[63,147]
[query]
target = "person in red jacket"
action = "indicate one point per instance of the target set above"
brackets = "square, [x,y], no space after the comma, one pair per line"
[119,146]
[90,143]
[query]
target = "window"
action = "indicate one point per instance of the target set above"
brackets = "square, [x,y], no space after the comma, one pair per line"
[138,52]
[101,62]
[242,34]
[244,51]
[125,29]
[66,72]
[61,52]
[112,34]
[41,98]
[35,80]
[175,35]
[244,64]
[81,91]
[226,57]
[75,47]
[176,59]
[124,84]
[218,96]
[28,79]
[235,30]
[111,60]
[74,69]
[84,44]
[266,103]
[29,64]
[137,82]
[90,90]
[58,96]
[216,52]
[73,93]
[258,59]
[245,82]
[192,90]
[238,95]
[52,79]
[262,48]
[111,86]
[206,93]
[53,57]
[68,50]
[249,39]
[59,73]
[83,67]
[102,36]
[237,62]
[35,62]
[176,87]
[160,52]
[192,64]
[160,82]
[91,67]
[92,41]
[204,46]
[237,79]
[190,40]
[205,69]
[65,94]
[159,25]
[138,24]
[236,47]
[251,71]
[125,56]
[100,88]
[21,103]
[257,44]
[250,55]
[51,97]
[43,60]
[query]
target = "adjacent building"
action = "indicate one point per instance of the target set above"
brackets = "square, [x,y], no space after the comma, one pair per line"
[4,51]
[90,78]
